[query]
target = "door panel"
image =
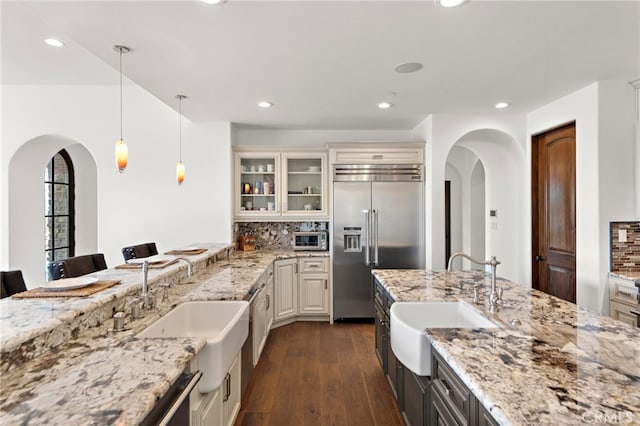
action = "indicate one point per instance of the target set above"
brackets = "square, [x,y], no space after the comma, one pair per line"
[554,212]
[351,276]
[400,236]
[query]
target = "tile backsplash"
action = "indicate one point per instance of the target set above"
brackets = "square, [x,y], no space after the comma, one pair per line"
[275,235]
[625,256]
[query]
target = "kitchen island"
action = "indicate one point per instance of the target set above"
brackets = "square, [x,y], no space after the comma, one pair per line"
[83,373]
[548,362]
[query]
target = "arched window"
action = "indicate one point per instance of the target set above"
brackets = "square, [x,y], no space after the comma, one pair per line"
[59,189]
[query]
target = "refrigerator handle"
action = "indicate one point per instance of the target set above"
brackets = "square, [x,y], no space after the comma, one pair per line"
[366,228]
[375,237]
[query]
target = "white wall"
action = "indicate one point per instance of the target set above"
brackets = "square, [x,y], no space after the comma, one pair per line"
[478,213]
[603,113]
[242,135]
[143,204]
[498,140]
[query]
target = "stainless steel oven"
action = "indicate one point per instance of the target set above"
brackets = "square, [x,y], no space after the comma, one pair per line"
[310,240]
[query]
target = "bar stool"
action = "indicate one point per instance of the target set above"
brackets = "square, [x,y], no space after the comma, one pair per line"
[76,266]
[139,251]
[12,283]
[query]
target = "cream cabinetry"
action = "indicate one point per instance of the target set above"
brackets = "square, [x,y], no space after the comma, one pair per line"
[257,184]
[624,302]
[313,286]
[377,153]
[220,407]
[231,394]
[304,181]
[208,411]
[286,289]
[280,184]
[301,289]
[263,314]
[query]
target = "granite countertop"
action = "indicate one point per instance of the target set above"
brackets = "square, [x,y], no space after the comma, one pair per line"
[549,362]
[95,376]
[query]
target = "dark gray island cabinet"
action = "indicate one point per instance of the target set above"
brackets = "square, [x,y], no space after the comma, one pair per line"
[438,400]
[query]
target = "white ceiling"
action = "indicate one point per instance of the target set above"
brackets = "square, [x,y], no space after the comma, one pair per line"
[325,64]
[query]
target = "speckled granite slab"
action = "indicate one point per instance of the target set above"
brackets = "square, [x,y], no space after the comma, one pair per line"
[101,378]
[30,327]
[550,362]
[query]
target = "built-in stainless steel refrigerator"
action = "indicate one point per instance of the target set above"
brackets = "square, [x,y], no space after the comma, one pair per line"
[378,222]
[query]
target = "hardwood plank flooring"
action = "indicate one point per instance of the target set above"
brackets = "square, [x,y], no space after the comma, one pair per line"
[314,373]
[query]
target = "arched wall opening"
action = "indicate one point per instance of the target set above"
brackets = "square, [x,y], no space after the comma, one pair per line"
[467,213]
[26,203]
[491,163]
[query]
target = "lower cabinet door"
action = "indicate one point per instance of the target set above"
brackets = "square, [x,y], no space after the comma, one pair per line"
[439,414]
[380,330]
[313,294]
[415,397]
[231,396]
[209,411]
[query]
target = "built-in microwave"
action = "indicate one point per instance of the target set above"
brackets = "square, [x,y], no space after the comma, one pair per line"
[310,240]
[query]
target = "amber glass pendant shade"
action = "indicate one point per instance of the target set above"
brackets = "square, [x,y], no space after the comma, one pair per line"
[180,172]
[122,155]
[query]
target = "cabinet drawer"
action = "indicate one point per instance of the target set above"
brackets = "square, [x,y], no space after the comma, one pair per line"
[624,291]
[454,393]
[622,312]
[313,265]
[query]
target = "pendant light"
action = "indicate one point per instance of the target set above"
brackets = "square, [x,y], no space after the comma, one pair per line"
[180,165]
[122,152]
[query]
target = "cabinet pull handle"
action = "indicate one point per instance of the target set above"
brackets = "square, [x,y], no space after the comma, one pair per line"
[227,392]
[447,390]
[295,268]
[268,302]
[325,284]
[377,157]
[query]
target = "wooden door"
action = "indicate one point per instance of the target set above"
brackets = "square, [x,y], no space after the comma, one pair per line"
[554,212]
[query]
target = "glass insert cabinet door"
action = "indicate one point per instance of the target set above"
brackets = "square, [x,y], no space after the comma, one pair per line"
[304,177]
[258,190]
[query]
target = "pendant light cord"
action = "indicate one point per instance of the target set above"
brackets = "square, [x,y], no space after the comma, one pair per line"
[120,93]
[180,126]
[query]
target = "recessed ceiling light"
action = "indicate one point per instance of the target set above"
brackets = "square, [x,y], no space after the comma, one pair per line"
[54,42]
[384,105]
[407,67]
[213,1]
[451,3]
[501,105]
[265,104]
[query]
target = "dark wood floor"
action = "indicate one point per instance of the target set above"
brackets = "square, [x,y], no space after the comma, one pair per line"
[313,373]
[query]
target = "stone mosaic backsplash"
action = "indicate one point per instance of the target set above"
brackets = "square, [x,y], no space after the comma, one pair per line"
[275,235]
[625,256]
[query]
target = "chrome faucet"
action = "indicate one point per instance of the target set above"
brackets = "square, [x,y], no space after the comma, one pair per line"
[145,294]
[495,297]
[189,265]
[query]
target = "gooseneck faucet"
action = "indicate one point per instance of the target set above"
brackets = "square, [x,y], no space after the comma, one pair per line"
[189,265]
[494,298]
[145,295]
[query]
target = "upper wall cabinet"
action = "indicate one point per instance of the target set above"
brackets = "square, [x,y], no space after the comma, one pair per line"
[275,185]
[256,184]
[377,153]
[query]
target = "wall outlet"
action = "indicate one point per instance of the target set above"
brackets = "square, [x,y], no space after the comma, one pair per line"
[622,235]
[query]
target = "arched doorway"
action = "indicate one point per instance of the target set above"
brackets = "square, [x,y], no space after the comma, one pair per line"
[494,160]
[27,209]
[465,175]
